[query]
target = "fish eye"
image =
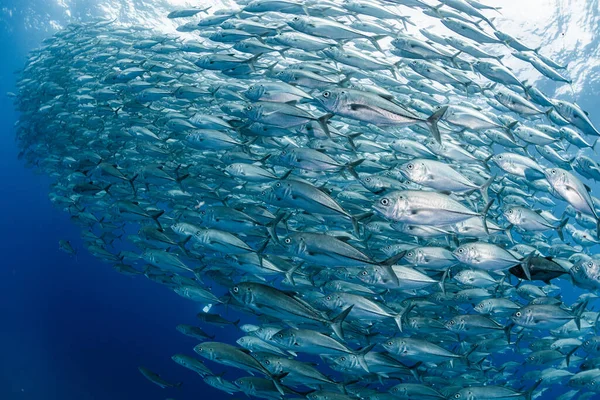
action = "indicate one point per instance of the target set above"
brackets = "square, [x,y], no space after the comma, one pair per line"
[236,289]
[249,108]
[328,298]
[410,166]
[510,211]
[326,94]
[278,184]
[390,343]
[263,193]
[288,240]
[451,322]
[296,19]
[410,254]
[343,359]
[518,313]
[384,202]
[268,362]
[461,250]
[457,396]
[280,335]
[553,171]
[364,273]
[368,179]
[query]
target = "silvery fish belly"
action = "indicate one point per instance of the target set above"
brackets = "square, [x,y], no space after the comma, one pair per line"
[367,189]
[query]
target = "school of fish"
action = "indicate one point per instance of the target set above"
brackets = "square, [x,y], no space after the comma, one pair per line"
[391,211]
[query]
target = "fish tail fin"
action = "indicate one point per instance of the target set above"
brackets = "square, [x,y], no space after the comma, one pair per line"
[272,226]
[336,323]
[289,274]
[394,259]
[560,227]
[360,356]
[351,165]
[485,187]
[131,183]
[375,41]
[182,244]
[401,316]
[529,393]
[578,312]
[507,330]
[356,219]
[594,146]
[526,264]
[569,354]
[322,121]
[432,122]
[442,283]
[484,214]
[350,139]
[508,232]
[155,217]
[277,382]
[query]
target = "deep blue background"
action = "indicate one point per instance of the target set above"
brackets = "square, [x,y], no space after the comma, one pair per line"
[71,327]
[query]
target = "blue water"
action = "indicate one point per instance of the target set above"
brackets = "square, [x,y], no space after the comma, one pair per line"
[71,327]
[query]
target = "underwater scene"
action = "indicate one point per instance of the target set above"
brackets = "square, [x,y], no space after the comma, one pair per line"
[323,200]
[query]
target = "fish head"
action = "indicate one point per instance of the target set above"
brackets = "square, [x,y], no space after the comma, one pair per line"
[330,99]
[396,346]
[464,394]
[287,157]
[456,324]
[466,254]
[330,52]
[415,170]
[414,256]
[245,384]
[111,78]
[370,182]
[285,338]
[253,111]
[465,277]
[483,307]
[298,23]
[215,35]
[235,169]
[345,362]
[592,344]
[255,92]
[501,160]
[400,391]
[393,206]
[333,301]
[513,215]
[294,244]
[243,292]
[205,351]
[377,275]
[554,175]
[270,362]
[522,317]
